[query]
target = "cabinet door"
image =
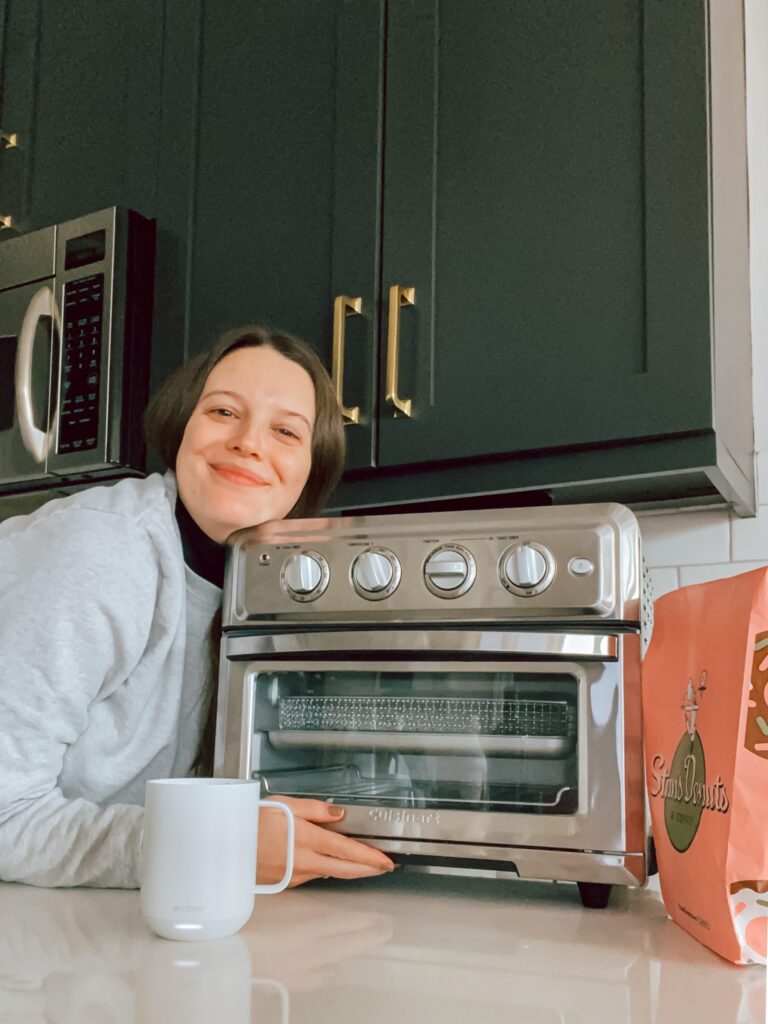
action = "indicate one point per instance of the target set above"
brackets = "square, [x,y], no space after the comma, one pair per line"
[80,85]
[15,108]
[285,202]
[546,197]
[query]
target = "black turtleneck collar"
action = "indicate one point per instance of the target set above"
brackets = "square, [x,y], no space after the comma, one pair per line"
[203,555]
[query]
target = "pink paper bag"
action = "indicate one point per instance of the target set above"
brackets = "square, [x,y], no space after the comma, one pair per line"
[705,720]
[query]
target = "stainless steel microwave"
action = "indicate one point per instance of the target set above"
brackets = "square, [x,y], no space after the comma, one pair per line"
[75,324]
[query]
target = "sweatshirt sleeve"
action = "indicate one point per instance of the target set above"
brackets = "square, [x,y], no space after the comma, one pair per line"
[77,597]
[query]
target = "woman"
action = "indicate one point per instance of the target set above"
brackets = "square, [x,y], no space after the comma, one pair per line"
[106,606]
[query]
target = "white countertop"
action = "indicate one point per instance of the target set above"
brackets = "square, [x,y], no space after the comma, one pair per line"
[405,948]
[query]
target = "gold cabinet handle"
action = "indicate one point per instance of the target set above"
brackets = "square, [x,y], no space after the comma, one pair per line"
[397,297]
[343,307]
[8,140]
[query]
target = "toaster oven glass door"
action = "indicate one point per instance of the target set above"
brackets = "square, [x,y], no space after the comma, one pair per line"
[422,737]
[440,736]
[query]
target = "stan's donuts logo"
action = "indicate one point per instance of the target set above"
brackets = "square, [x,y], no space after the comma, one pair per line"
[683,786]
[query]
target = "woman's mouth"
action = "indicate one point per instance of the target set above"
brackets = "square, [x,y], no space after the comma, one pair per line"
[236,475]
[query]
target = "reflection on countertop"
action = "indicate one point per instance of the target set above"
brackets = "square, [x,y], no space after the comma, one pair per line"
[409,947]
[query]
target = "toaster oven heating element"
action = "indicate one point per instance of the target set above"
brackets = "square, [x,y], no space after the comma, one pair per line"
[429,714]
[543,728]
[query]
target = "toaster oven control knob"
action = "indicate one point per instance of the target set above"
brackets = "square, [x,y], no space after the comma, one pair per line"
[304,577]
[375,573]
[526,569]
[449,571]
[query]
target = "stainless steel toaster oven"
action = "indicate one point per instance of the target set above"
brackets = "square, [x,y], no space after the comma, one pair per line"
[466,685]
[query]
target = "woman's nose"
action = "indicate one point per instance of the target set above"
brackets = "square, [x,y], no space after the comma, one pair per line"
[247,437]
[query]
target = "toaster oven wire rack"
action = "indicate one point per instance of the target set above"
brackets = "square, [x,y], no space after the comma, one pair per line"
[345,784]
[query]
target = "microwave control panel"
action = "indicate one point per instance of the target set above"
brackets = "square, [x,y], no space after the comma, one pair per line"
[80,372]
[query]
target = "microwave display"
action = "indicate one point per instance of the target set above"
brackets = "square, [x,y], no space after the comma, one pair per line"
[85,249]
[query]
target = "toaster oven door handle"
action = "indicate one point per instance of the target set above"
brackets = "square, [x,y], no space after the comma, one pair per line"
[483,643]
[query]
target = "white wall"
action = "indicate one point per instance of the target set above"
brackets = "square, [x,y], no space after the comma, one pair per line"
[691,547]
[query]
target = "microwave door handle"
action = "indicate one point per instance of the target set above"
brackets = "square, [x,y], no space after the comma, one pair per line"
[37,442]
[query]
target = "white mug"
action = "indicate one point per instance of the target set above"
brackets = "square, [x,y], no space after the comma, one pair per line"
[198,861]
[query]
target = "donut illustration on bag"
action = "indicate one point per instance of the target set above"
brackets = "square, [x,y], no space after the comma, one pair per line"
[749,905]
[756,737]
[749,899]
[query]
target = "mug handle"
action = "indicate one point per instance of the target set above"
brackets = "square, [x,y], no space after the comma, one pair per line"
[283,883]
[281,991]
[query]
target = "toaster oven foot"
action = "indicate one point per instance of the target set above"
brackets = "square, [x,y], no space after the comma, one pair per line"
[594,895]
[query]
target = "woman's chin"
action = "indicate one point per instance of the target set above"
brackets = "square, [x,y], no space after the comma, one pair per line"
[224,513]
[227,527]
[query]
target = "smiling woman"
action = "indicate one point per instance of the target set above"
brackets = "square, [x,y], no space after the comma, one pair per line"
[270,382]
[109,601]
[246,452]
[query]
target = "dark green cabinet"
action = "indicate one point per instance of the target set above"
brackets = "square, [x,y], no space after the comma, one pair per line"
[564,197]
[526,220]
[521,185]
[286,196]
[81,88]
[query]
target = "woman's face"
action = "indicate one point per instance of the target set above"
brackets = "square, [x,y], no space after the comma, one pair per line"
[247,448]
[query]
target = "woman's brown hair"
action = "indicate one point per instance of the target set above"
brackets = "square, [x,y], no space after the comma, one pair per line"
[166,419]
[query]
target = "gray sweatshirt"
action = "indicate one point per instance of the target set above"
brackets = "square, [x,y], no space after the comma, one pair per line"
[103,671]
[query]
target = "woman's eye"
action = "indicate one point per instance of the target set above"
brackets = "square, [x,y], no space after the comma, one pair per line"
[225,413]
[285,432]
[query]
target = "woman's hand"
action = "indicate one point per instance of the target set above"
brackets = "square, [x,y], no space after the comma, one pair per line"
[318,852]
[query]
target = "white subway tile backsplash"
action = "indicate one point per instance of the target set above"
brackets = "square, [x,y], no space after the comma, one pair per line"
[664,580]
[749,537]
[704,573]
[686,538]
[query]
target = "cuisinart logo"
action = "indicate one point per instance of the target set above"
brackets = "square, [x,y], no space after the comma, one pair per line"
[404,817]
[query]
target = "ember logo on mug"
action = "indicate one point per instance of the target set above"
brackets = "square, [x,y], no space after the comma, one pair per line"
[198,861]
